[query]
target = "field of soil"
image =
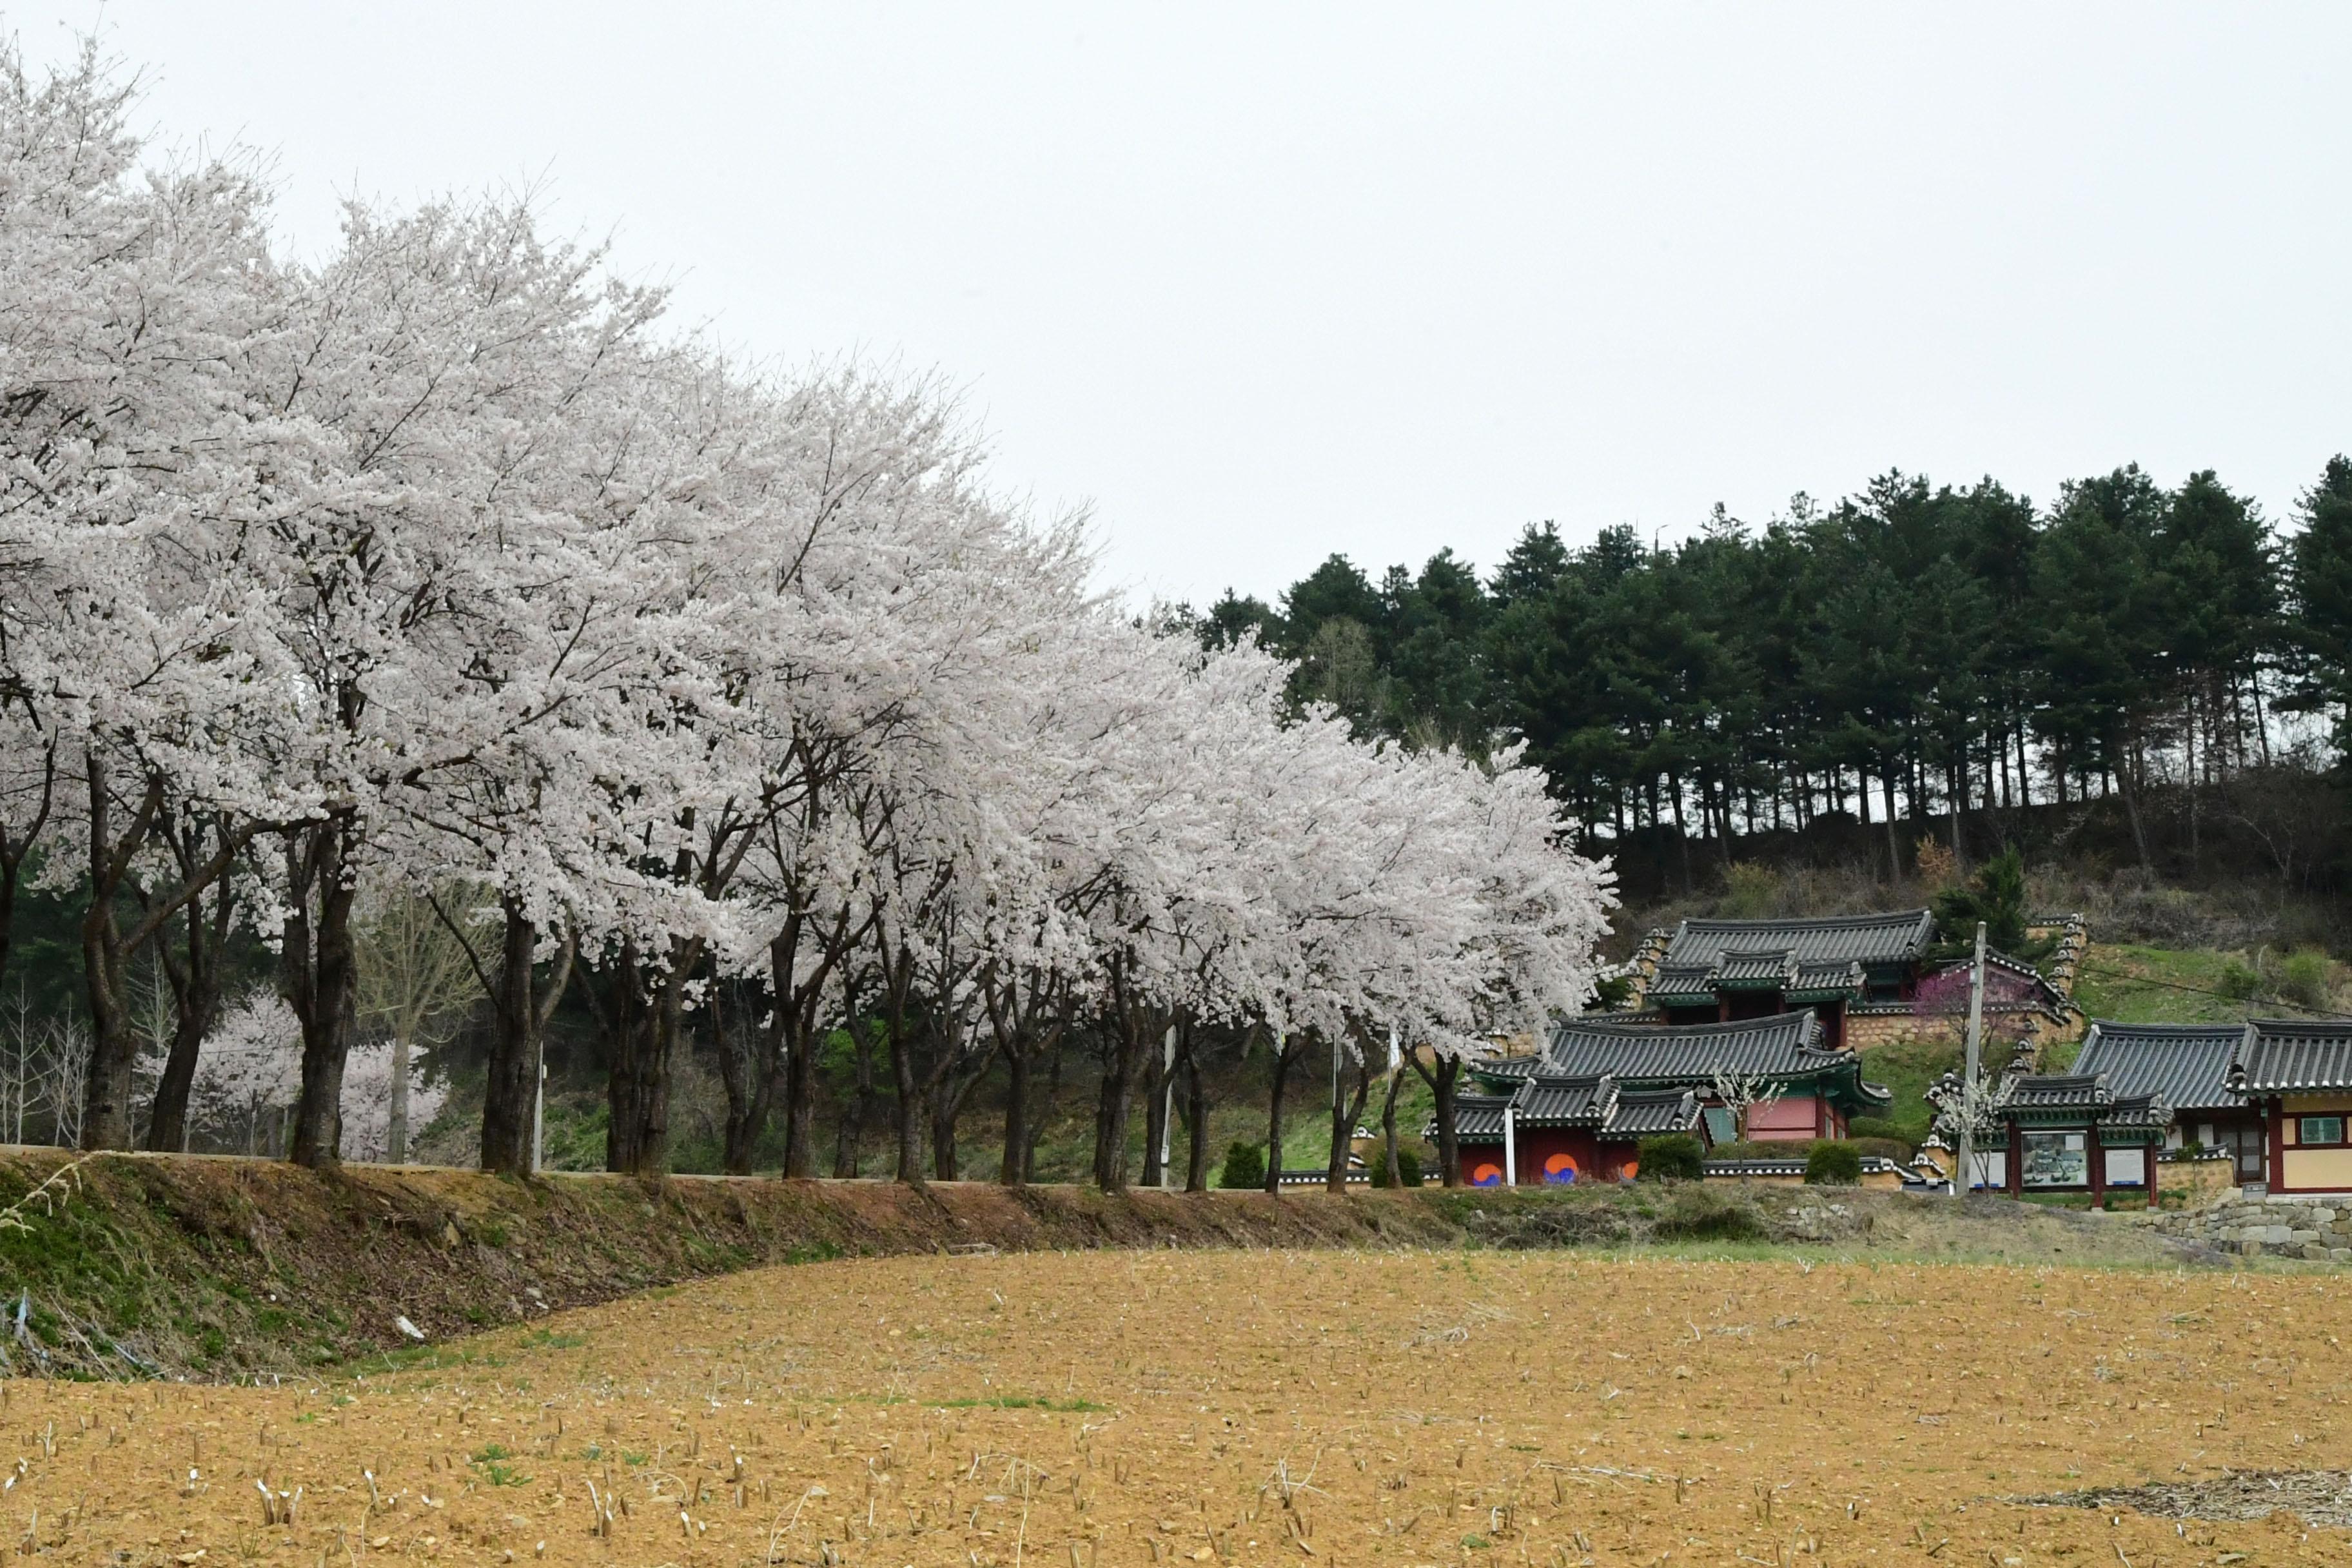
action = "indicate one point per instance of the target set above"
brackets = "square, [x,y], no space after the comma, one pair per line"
[1323,1407]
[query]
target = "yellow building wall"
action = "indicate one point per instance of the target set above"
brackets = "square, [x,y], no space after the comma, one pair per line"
[2322,1168]
[2325,1168]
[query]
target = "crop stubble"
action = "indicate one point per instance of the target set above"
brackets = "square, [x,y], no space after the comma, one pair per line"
[1329,1409]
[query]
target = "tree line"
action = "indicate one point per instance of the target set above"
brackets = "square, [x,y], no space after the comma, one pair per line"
[436,584]
[1914,651]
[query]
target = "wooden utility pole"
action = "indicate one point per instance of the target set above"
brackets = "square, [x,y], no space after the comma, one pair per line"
[1969,1102]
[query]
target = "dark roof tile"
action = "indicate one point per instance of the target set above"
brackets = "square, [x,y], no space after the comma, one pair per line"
[1645,1113]
[2187,1066]
[1784,1044]
[2288,1055]
[1564,1101]
[1897,937]
[2054,1092]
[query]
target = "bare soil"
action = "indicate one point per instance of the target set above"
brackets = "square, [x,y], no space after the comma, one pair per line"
[1115,1408]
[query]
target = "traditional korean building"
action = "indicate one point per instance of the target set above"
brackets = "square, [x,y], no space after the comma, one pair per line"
[1867,977]
[2296,1075]
[2187,1067]
[1717,971]
[2276,1093]
[2072,1133]
[1560,1131]
[1578,1110]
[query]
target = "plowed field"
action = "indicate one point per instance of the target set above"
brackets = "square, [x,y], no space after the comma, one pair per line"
[1328,1408]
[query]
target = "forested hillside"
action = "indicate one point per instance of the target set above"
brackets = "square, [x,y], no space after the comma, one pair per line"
[2159,675]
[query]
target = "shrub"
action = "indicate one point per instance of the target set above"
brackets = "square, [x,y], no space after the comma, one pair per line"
[1611,992]
[1245,1166]
[1834,1164]
[2304,977]
[1886,1129]
[2238,982]
[1752,1150]
[1408,1169]
[1996,896]
[1671,1158]
[1750,892]
[1696,1211]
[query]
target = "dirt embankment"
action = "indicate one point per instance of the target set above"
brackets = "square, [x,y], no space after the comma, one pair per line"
[221,1269]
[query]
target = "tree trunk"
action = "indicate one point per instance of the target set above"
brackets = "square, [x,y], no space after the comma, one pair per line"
[13,849]
[907,1119]
[946,1106]
[1129,1026]
[1012,1170]
[1441,1081]
[1160,1077]
[395,1131]
[898,980]
[1893,845]
[167,1122]
[514,1049]
[1388,1130]
[1345,1109]
[800,1104]
[1282,1058]
[636,1140]
[196,993]
[1114,1103]
[794,1039]
[320,969]
[519,1010]
[2131,809]
[113,1052]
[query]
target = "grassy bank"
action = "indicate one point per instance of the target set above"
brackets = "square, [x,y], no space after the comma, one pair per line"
[225,1268]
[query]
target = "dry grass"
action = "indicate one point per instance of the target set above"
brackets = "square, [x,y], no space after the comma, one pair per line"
[1130,1408]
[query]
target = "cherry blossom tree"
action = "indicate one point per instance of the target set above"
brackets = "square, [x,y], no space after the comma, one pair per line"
[439,575]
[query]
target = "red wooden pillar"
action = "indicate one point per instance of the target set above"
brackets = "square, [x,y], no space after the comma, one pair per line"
[2275,1140]
[2148,1167]
[2098,1161]
[2016,1161]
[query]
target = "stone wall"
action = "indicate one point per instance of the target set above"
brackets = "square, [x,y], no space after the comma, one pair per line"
[2201,1181]
[2003,1028]
[2074,935]
[2317,1229]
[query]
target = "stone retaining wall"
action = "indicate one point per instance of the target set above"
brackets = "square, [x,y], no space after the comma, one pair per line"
[2316,1228]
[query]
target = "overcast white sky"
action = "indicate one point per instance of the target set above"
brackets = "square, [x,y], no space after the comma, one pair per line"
[1262,282]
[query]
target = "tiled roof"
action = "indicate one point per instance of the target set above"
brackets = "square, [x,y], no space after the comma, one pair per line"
[1681,980]
[2087,1095]
[1646,1112]
[1611,1113]
[2143,1111]
[1564,1101]
[2187,1066]
[1998,991]
[2049,1091]
[1786,1044]
[1477,1116]
[1872,1165]
[1831,975]
[1775,967]
[2286,1055]
[1893,938]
